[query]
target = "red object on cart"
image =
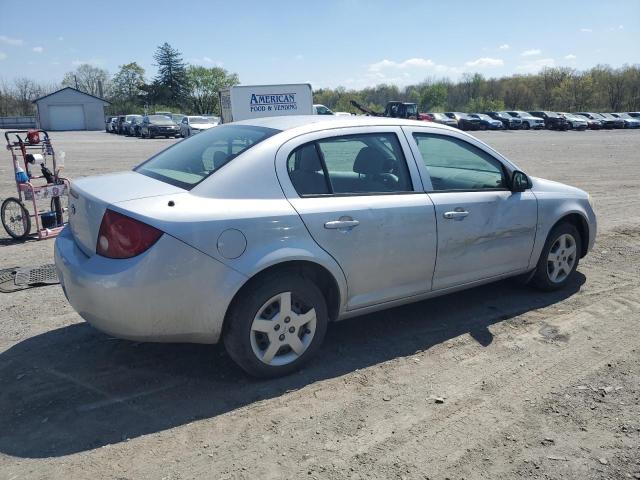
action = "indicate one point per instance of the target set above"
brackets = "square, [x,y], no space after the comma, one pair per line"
[15,216]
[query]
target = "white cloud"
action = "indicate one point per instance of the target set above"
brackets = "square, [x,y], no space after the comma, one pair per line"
[38,49]
[620,27]
[3,55]
[205,61]
[531,52]
[586,30]
[571,56]
[402,73]
[485,62]
[16,42]
[60,38]
[95,62]
[533,66]
[504,46]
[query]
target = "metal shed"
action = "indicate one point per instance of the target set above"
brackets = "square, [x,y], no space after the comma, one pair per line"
[70,109]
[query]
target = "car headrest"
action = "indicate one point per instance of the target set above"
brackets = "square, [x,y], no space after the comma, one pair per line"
[219,159]
[308,160]
[369,162]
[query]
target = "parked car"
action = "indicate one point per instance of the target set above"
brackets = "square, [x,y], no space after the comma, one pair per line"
[134,126]
[465,122]
[528,120]
[629,121]
[108,126]
[592,123]
[158,126]
[113,125]
[634,114]
[119,123]
[166,114]
[606,122]
[575,122]
[486,122]
[125,127]
[443,119]
[552,120]
[260,233]
[192,124]
[617,122]
[321,110]
[508,121]
[177,117]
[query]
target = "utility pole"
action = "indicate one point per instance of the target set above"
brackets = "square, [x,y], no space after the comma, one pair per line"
[75,77]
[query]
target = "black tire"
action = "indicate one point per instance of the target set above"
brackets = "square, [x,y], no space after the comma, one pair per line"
[150,135]
[10,207]
[238,335]
[526,125]
[542,277]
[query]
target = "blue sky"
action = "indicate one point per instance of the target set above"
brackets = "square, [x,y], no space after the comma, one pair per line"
[353,43]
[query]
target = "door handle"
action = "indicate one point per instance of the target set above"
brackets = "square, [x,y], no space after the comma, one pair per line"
[455,214]
[339,224]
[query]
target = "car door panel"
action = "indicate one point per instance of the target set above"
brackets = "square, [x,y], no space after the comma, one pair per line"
[495,236]
[482,232]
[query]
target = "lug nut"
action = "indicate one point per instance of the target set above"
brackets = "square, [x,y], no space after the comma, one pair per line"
[292,329]
[287,319]
[281,337]
[276,327]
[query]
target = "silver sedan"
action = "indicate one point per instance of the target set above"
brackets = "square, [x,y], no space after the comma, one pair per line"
[260,233]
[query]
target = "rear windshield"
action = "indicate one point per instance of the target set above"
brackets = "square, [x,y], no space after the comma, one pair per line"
[190,161]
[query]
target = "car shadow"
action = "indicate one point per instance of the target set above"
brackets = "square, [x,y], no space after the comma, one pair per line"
[74,389]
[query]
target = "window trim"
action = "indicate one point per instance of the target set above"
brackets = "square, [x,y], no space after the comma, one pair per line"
[399,138]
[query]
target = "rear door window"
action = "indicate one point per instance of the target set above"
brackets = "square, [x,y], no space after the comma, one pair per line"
[350,165]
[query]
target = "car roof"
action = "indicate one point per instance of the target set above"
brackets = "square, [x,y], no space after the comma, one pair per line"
[310,123]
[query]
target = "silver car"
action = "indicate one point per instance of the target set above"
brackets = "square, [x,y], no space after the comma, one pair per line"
[260,233]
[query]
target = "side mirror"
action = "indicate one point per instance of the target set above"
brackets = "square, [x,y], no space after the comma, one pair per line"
[519,181]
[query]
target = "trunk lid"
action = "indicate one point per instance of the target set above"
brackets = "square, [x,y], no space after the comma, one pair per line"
[90,197]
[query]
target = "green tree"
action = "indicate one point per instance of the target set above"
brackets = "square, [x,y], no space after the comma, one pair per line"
[434,97]
[127,83]
[170,86]
[203,87]
[88,79]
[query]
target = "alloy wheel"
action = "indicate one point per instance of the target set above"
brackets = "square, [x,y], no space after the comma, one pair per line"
[282,330]
[561,258]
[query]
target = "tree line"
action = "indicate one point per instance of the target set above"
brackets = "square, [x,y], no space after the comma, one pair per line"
[192,89]
[600,89]
[177,86]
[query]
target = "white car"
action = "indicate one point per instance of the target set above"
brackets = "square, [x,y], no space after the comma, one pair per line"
[260,233]
[319,109]
[192,124]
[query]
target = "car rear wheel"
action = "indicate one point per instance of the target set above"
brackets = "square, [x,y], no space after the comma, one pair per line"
[526,125]
[276,325]
[559,258]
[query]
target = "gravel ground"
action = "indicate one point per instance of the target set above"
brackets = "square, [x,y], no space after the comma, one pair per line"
[498,382]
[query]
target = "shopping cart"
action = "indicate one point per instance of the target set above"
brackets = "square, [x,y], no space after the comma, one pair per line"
[30,148]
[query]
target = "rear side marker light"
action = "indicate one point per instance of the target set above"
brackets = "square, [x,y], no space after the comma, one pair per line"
[124,237]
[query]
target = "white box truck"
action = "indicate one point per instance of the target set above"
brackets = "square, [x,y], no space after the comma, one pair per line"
[244,102]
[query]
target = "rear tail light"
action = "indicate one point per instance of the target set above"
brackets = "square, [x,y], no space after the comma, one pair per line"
[124,237]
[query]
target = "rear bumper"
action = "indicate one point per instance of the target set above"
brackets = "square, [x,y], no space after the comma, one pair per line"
[170,293]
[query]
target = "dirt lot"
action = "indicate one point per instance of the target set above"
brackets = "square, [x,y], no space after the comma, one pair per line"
[499,382]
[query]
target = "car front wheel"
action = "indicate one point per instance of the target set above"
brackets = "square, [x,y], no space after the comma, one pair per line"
[559,258]
[276,325]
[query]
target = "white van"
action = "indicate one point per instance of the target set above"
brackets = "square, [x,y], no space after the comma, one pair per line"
[244,102]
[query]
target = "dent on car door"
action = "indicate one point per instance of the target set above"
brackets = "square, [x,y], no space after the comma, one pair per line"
[363,203]
[484,229]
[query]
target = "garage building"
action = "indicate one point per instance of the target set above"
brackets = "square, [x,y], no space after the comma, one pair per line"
[70,109]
